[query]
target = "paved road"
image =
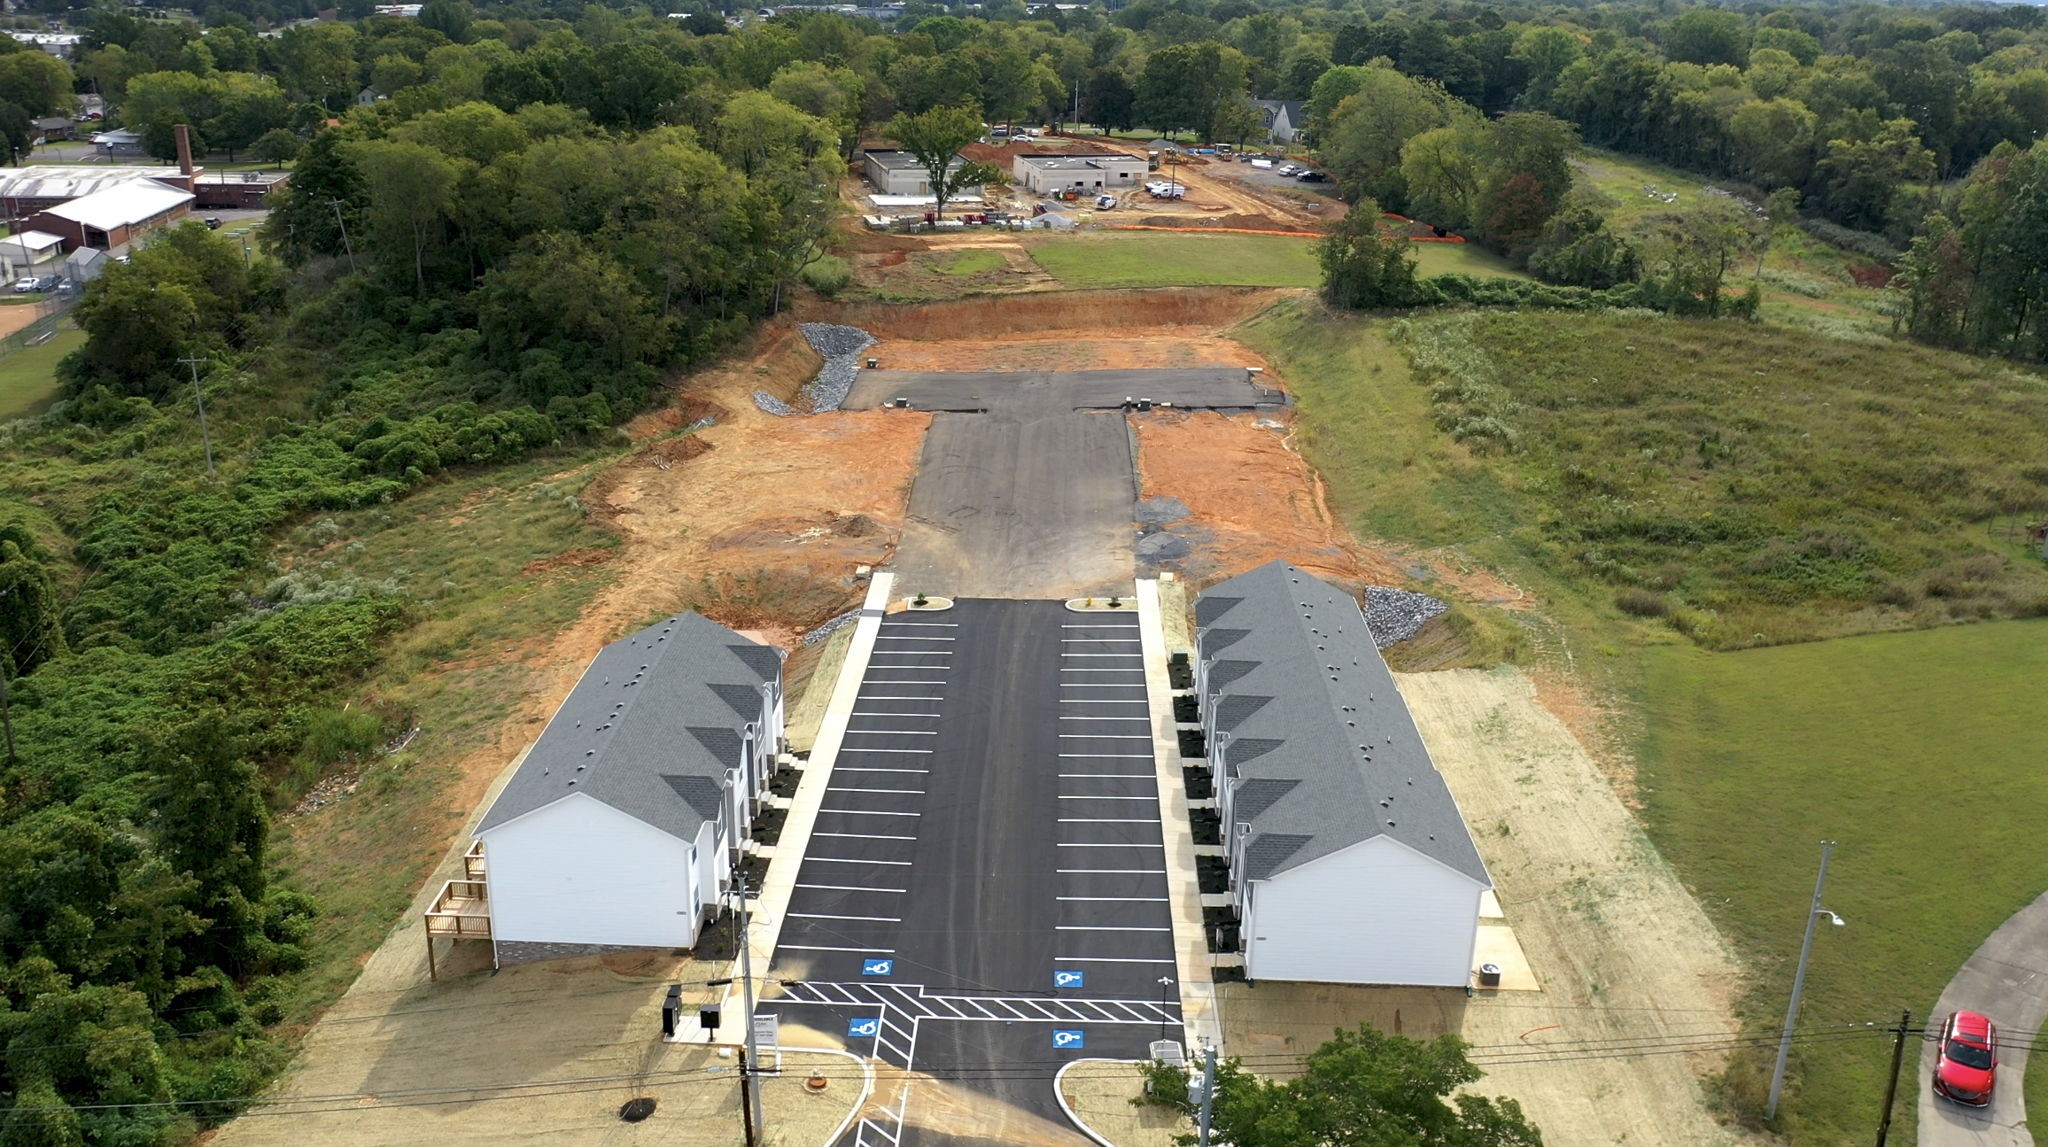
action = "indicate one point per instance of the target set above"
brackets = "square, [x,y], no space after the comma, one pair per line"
[984,898]
[1026,483]
[2006,979]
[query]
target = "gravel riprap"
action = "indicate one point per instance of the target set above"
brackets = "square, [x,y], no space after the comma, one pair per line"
[1160,547]
[841,347]
[1159,511]
[824,631]
[1394,615]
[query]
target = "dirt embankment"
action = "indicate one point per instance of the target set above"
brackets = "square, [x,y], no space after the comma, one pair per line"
[1103,313]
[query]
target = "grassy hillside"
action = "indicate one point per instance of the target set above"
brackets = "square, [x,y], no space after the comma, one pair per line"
[1166,259]
[28,377]
[1864,489]
[1919,753]
[1806,282]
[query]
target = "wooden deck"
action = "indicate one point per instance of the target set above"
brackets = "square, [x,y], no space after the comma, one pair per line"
[462,910]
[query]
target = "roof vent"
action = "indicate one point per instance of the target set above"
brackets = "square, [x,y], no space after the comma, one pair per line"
[588,753]
[572,782]
[1390,824]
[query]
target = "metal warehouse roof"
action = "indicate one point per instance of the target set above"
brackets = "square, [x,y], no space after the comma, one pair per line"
[1318,746]
[651,729]
[54,182]
[1077,162]
[35,240]
[128,203]
[903,160]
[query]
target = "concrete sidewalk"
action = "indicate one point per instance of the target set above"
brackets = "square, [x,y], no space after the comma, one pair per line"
[2006,978]
[1191,950]
[772,905]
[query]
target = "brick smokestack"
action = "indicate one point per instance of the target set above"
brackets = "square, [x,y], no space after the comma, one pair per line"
[184,135]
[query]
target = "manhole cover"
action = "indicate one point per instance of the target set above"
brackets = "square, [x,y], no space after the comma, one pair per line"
[636,1109]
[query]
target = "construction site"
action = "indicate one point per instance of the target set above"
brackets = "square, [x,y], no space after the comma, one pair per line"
[936,473]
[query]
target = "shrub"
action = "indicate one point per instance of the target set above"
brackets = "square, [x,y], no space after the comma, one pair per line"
[1642,603]
[829,275]
[1864,243]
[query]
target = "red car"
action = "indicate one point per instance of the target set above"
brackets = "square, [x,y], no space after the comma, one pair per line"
[1967,1065]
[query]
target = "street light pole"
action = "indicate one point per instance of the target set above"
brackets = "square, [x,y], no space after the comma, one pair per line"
[753,1067]
[1813,916]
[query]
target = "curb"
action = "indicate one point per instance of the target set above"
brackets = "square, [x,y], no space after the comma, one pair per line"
[1060,1077]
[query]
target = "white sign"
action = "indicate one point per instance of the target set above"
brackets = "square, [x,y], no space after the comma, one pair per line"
[767,1029]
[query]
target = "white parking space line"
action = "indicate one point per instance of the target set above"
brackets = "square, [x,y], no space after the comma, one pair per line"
[1110,871]
[1107,736]
[865,836]
[1066,844]
[823,948]
[1103,718]
[863,812]
[901,681]
[850,860]
[852,749]
[1097,641]
[1105,701]
[901,696]
[1099,899]
[907,792]
[1103,685]
[872,919]
[933,716]
[1105,776]
[1104,756]
[1066,797]
[863,769]
[922,625]
[1103,960]
[1102,655]
[848,888]
[1106,820]
[1095,928]
[896,732]
[924,637]
[1097,625]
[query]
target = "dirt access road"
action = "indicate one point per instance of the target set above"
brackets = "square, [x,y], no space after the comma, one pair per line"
[1622,951]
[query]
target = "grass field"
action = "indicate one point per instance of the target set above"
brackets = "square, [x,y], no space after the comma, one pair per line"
[28,377]
[1807,283]
[1920,754]
[1165,259]
[973,261]
[480,598]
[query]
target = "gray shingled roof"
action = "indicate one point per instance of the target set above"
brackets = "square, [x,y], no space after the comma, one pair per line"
[1321,751]
[651,729]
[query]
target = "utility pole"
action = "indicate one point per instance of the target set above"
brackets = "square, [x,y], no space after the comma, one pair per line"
[193,361]
[343,224]
[1813,914]
[1209,1093]
[1891,1091]
[747,1094]
[753,1056]
[6,704]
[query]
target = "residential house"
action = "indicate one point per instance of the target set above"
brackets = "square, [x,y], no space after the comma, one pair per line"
[1349,860]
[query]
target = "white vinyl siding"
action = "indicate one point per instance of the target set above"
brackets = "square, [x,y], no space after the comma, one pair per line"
[1375,913]
[581,872]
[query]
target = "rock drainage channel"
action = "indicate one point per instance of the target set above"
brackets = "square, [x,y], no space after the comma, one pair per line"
[841,347]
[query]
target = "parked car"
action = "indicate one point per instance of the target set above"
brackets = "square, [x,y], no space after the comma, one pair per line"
[1105,203]
[1312,177]
[26,284]
[1286,169]
[213,222]
[48,283]
[1966,1067]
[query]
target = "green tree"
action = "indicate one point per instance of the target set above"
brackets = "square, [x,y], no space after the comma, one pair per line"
[1366,265]
[1860,176]
[412,191]
[208,820]
[29,630]
[18,130]
[1771,142]
[449,17]
[38,83]
[1689,253]
[278,145]
[1108,100]
[1362,1087]
[935,138]
[1361,139]
[1183,87]
[1707,36]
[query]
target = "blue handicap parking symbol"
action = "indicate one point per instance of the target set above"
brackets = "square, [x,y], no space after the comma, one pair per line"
[863,1027]
[877,967]
[1068,979]
[1068,1039]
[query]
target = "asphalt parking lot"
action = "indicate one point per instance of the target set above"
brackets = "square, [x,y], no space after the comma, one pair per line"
[1026,482]
[984,897]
